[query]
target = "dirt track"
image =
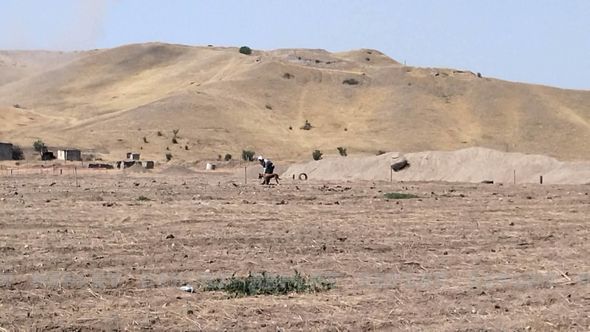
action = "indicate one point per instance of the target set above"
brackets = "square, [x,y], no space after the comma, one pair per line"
[463,257]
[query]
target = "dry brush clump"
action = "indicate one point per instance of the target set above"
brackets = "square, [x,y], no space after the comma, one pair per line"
[350,81]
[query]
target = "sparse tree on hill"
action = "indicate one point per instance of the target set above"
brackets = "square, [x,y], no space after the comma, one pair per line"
[306,126]
[175,136]
[39,146]
[245,50]
[317,155]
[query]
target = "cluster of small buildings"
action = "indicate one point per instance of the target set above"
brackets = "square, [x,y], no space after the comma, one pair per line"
[66,155]
[133,159]
[7,153]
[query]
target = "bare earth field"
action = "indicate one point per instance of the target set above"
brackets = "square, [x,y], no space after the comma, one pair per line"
[462,257]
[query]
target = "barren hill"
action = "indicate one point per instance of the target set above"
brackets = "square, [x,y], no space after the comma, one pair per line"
[132,97]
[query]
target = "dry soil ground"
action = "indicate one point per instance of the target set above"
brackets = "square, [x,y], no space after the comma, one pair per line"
[463,257]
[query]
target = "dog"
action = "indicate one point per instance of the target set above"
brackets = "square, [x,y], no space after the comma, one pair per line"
[267,177]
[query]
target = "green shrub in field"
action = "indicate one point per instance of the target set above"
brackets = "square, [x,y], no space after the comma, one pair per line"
[399,196]
[264,284]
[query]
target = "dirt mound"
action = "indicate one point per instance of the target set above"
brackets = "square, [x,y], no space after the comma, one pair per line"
[178,170]
[137,168]
[466,165]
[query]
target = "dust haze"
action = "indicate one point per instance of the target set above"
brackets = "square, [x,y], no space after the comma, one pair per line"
[78,28]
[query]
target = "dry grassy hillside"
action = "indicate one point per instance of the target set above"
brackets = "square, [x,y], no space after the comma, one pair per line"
[223,102]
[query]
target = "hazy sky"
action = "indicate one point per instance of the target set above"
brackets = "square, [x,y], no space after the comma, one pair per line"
[537,41]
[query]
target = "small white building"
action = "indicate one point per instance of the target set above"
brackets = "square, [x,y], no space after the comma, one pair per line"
[69,154]
[133,156]
[5,151]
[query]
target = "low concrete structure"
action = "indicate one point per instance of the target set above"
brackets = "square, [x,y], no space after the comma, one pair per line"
[122,164]
[47,155]
[69,154]
[100,166]
[148,164]
[5,151]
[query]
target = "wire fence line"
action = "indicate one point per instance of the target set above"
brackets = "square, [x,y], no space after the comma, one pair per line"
[55,171]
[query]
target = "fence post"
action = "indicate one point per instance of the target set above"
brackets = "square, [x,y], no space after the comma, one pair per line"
[245,174]
[514,176]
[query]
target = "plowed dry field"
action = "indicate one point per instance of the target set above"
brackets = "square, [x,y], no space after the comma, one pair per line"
[110,254]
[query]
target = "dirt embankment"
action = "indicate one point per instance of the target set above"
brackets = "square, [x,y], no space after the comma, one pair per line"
[466,165]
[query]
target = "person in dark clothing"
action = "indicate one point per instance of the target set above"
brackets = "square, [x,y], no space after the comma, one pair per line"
[269,167]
